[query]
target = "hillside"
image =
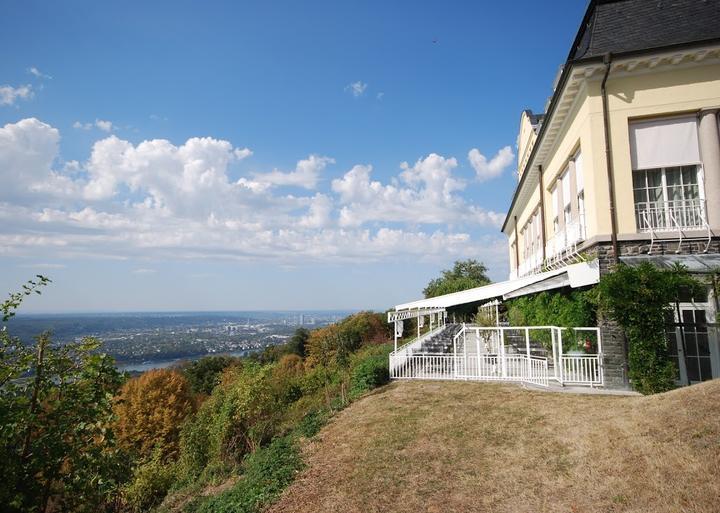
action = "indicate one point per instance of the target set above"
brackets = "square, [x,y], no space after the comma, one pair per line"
[446,447]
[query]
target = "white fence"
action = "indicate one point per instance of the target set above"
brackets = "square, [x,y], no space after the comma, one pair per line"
[504,354]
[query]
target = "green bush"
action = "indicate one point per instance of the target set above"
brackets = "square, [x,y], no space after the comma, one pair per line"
[311,423]
[266,474]
[150,484]
[369,373]
[239,416]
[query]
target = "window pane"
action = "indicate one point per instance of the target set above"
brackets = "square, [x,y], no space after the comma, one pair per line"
[687,317]
[638,179]
[655,195]
[640,195]
[654,178]
[703,345]
[691,192]
[690,344]
[692,369]
[673,176]
[675,193]
[689,175]
[700,318]
[705,369]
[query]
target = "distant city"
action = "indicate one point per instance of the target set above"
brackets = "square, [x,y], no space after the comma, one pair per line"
[142,341]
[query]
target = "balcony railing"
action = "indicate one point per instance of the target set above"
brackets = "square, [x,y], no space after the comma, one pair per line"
[670,216]
[566,239]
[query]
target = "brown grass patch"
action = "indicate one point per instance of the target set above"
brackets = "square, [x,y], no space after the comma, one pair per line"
[466,447]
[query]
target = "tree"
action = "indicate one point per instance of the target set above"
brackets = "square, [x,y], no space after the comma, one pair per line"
[296,344]
[204,374]
[151,410]
[57,447]
[465,274]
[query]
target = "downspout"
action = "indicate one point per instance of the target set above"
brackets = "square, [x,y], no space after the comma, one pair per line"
[607,60]
[517,250]
[542,211]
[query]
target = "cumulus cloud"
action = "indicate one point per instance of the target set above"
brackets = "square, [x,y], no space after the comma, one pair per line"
[101,124]
[9,95]
[487,169]
[156,199]
[306,174]
[357,89]
[426,193]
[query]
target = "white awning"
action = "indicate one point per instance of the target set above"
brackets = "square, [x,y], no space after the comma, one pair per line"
[664,142]
[575,275]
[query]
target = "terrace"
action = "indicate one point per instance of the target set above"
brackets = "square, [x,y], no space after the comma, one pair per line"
[539,355]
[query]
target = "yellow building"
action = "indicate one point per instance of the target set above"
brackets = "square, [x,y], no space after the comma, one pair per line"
[624,165]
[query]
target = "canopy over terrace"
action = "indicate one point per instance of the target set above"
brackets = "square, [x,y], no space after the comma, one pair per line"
[574,276]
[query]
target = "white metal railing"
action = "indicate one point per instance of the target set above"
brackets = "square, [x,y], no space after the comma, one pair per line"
[532,264]
[566,239]
[670,216]
[400,355]
[581,369]
[485,354]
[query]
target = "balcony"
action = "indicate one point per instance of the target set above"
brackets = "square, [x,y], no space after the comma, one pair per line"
[675,216]
[566,240]
[531,265]
[671,216]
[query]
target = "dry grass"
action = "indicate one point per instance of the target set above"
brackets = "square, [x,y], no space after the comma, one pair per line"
[465,447]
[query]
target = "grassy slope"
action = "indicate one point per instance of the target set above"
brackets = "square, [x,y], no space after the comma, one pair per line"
[446,447]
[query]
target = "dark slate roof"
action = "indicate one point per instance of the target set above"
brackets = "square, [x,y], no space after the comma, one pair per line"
[620,26]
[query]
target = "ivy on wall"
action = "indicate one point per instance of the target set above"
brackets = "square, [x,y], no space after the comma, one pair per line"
[639,299]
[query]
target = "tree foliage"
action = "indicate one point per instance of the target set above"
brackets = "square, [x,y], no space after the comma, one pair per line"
[465,274]
[151,410]
[57,447]
[564,309]
[204,374]
[639,300]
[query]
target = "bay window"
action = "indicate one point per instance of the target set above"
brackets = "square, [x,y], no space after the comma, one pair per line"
[667,176]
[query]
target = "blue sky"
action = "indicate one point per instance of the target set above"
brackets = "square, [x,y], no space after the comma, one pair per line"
[258,155]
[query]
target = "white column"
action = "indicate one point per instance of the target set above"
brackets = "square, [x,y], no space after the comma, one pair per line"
[709,139]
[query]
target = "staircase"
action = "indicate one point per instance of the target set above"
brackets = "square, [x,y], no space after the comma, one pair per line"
[516,344]
[442,342]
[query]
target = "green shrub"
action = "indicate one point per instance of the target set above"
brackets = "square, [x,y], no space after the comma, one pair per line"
[239,416]
[369,373]
[267,472]
[311,423]
[150,483]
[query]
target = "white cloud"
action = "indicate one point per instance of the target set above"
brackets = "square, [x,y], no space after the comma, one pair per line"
[380,95]
[242,154]
[485,169]
[43,266]
[105,126]
[356,88]
[162,200]
[101,124]
[38,74]
[428,196]
[9,94]
[144,271]
[306,174]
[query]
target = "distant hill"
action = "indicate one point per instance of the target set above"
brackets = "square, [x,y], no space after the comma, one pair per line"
[464,447]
